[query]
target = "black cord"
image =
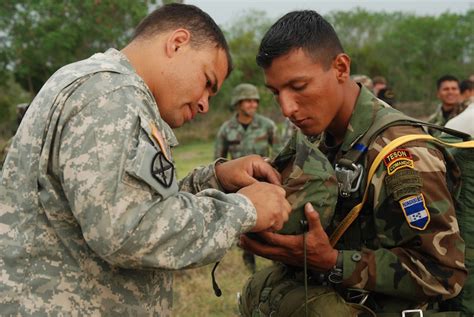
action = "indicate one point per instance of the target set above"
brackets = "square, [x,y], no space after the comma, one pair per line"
[216,288]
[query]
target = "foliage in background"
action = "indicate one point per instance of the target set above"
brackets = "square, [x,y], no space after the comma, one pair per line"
[11,94]
[411,51]
[38,37]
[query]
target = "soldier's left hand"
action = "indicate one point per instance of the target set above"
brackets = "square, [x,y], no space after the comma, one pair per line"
[289,248]
[244,171]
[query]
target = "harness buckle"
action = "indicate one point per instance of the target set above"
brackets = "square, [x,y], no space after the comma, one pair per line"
[356,295]
[346,178]
[412,311]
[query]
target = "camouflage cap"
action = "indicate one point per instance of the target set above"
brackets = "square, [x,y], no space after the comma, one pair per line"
[242,92]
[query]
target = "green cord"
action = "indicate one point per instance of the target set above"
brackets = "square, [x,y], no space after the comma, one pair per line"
[305,276]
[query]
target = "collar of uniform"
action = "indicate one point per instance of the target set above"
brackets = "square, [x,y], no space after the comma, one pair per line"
[362,117]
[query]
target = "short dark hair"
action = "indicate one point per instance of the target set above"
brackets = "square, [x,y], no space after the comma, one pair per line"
[466,85]
[203,28]
[379,80]
[305,29]
[444,78]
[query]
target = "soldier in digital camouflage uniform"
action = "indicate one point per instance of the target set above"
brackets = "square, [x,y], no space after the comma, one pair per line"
[403,260]
[245,133]
[449,94]
[92,218]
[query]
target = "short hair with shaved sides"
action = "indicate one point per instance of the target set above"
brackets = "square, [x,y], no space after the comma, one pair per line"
[203,29]
[307,30]
[444,78]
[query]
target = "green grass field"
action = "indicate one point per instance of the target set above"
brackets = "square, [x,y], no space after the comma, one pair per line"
[193,293]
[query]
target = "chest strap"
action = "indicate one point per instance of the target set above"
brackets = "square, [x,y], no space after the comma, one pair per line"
[354,213]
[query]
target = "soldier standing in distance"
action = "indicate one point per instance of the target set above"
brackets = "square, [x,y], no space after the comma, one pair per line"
[449,95]
[245,133]
[93,221]
[402,262]
[466,89]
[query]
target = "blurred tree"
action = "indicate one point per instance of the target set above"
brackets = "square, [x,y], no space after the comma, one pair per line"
[410,51]
[361,33]
[11,94]
[38,37]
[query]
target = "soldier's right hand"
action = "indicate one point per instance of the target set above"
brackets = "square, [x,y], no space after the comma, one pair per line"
[272,207]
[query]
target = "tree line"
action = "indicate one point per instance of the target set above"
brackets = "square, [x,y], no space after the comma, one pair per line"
[411,51]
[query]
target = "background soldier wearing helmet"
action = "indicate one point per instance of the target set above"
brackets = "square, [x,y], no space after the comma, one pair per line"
[245,133]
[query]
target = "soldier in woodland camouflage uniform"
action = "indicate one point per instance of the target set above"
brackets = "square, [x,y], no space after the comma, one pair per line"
[307,176]
[449,94]
[92,218]
[402,261]
[245,133]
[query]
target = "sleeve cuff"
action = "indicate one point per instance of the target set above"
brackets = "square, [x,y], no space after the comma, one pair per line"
[251,213]
[215,181]
[351,259]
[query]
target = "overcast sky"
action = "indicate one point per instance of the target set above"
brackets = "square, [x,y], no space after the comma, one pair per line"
[224,11]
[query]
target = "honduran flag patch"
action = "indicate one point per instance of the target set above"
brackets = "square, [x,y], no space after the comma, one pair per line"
[415,211]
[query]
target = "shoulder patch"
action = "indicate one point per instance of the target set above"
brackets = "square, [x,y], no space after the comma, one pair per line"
[397,159]
[162,169]
[415,211]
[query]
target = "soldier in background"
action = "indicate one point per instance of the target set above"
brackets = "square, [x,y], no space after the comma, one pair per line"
[364,80]
[20,113]
[464,121]
[382,91]
[245,133]
[379,84]
[449,95]
[466,88]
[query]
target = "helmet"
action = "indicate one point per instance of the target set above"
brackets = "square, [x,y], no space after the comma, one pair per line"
[242,92]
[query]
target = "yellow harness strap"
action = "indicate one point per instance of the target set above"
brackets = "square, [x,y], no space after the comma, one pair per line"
[354,213]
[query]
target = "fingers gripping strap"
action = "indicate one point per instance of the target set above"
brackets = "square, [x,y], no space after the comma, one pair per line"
[354,213]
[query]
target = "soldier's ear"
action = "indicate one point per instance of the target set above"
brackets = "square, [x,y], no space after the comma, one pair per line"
[342,66]
[176,41]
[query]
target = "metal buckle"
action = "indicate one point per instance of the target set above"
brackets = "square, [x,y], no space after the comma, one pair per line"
[355,295]
[346,177]
[412,311]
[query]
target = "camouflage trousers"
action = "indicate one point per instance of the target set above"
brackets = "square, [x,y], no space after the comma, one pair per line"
[279,291]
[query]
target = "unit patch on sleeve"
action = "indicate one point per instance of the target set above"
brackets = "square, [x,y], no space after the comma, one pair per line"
[397,159]
[415,211]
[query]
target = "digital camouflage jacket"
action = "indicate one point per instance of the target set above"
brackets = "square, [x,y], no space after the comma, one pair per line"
[233,139]
[92,218]
[405,246]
